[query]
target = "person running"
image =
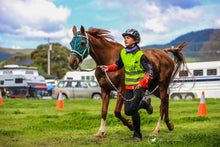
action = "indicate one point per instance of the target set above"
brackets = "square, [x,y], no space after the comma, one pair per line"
[138,73]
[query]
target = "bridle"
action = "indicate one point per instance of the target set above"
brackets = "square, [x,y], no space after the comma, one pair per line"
[79,52]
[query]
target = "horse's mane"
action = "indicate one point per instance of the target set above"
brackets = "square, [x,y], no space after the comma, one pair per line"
[103,35]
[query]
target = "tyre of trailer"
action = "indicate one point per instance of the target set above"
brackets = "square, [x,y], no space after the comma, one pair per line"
[190,96]
[176,96]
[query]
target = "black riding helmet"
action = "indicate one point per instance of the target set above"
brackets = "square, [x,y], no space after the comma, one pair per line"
[133,33]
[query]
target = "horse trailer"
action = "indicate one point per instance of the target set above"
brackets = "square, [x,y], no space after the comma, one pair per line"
[20,81]
[203,76]
[80,75]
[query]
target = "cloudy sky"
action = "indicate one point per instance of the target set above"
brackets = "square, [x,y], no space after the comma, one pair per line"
[29,23]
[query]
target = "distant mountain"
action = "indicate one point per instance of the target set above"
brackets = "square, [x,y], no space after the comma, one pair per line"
[196,42]
[6,53]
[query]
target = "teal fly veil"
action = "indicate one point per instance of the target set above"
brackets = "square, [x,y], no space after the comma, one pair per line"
[77,49]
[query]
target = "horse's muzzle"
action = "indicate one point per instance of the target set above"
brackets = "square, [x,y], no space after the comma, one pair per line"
[74,64]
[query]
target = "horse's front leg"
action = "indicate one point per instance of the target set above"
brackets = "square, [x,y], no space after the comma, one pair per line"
[118,107]
[105,103]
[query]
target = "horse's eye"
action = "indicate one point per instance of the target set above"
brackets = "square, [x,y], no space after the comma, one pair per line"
[83,44]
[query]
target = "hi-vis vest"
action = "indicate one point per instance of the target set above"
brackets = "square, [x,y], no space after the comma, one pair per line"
[134,71]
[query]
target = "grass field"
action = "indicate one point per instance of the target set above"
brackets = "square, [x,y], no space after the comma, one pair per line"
[30,122]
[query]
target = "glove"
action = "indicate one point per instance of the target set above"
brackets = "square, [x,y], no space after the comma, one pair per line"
[145,81]
[112,67]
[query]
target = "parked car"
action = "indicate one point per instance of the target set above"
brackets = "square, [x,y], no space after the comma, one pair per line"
[77,89]
[113,94]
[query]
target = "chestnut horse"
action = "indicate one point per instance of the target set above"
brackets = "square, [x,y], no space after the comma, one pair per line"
[99,44]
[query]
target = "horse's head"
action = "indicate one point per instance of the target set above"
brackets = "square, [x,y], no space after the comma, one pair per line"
[80,47]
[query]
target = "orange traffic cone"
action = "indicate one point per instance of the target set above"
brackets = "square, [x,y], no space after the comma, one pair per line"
[1,100]
[202,105]
[60,101]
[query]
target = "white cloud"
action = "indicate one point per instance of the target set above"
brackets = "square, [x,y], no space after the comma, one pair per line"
[68,36]
[184,15]
[157,20]
[1,40]
[217,22]
[111,4]
[152,16]
[33,33]
[15,47]
[117,34]
[156,25]
[32,18]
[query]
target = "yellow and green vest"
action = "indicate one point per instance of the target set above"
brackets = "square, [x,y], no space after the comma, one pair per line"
[134,71]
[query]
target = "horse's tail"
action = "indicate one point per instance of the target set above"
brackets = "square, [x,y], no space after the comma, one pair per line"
[178,57]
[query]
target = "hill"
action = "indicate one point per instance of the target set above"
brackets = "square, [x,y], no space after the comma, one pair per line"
[6,53]
[196,40]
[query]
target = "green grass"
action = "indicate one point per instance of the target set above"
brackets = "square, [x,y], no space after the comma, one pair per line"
[29,122]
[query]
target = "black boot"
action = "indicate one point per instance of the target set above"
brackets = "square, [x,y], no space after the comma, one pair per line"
[137,131]
[146,104]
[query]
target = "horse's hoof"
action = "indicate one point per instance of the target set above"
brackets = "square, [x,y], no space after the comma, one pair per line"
[129,125]
[171,126]
[99,135]
[131,128]
[155,132]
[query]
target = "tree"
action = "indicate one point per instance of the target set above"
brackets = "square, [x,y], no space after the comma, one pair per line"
[59,59]
[211,48]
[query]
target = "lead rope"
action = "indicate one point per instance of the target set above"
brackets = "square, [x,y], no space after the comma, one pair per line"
[127,100]
[116,89]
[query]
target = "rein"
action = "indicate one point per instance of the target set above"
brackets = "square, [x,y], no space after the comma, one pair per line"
[116,89]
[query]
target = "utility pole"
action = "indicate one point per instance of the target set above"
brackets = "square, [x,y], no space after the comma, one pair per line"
[48,56]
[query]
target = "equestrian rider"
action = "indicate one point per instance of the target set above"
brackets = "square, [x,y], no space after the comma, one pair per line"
[138,73]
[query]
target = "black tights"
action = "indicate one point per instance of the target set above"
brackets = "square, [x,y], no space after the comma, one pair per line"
[132,107]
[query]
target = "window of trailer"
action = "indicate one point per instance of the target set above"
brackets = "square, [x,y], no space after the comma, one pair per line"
[211,71]
[198,72]
[183,73]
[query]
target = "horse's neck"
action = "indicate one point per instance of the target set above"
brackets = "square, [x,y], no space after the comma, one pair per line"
[101,56]
[105,55]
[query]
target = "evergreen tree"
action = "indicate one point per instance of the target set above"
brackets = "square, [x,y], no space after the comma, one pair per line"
[211,48]
[59,61]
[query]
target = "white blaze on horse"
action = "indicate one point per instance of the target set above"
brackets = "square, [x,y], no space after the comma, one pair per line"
[99,44]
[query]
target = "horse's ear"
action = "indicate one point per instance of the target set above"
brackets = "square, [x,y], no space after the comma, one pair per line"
[74,30]
[82,31]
